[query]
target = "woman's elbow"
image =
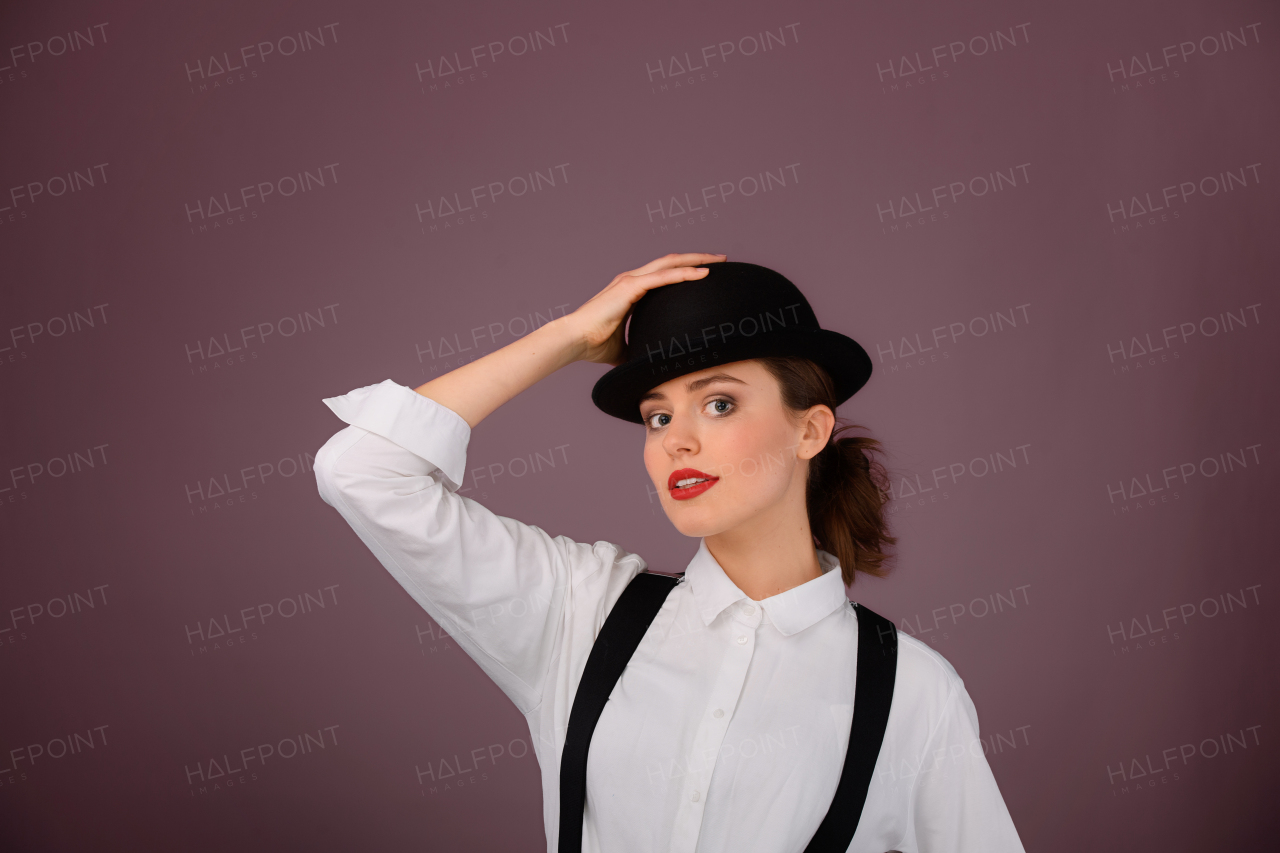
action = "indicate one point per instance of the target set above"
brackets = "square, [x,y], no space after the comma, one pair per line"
[333,477]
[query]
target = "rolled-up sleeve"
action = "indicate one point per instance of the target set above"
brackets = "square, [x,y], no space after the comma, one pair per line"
[519,601]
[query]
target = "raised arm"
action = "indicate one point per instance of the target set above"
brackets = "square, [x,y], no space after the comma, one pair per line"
[519,601]
[592,333]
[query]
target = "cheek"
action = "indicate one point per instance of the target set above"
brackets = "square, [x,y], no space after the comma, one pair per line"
[761,463]
[653,458]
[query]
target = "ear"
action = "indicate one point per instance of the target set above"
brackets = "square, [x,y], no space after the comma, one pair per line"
[816,427]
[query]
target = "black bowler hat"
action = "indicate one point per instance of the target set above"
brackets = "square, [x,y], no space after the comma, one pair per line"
[737,311]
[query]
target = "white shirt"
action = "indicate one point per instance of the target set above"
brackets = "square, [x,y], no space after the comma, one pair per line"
[727,731]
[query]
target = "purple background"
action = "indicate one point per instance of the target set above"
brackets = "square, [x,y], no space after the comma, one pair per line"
[1078,693]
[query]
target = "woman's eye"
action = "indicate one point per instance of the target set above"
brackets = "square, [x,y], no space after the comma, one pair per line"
[656,417]
[660,419]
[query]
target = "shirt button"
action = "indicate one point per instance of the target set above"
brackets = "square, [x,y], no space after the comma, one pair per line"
[717,713]
[742,641]
[748,609]
[696,796]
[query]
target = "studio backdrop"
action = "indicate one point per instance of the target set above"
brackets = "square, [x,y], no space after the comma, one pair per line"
[1052,226]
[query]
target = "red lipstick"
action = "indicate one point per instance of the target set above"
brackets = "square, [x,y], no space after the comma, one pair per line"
[701,482]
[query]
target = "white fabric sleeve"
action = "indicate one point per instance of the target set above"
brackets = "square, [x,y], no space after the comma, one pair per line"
[957,806]
[520,602]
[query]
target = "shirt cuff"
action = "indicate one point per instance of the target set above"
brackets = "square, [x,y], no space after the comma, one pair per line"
[419,424]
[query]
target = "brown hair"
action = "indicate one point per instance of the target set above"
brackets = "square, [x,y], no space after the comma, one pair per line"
[847,487]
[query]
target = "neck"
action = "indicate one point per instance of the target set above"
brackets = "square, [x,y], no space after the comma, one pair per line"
[771,552]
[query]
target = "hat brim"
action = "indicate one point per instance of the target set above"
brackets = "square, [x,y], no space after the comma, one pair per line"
[618,392]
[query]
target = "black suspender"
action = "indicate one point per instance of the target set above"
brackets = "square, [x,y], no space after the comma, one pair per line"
[872,696]
[625,627]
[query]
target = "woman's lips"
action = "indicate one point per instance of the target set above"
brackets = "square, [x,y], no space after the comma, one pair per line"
[694,483]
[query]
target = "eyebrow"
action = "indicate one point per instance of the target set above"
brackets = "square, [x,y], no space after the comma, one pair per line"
[695,385]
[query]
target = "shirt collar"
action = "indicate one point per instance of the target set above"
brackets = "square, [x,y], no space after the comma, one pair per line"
[791,611]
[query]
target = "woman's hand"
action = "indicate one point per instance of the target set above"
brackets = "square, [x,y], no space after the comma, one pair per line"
[599,323]
[593,332]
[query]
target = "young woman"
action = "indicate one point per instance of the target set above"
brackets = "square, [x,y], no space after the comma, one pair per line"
[729,727]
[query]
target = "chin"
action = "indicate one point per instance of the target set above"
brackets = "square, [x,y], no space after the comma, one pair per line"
[695,521]
[696,531]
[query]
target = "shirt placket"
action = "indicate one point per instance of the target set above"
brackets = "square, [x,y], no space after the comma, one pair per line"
[738,631]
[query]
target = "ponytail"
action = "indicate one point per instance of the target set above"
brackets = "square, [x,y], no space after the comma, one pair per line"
[847,486]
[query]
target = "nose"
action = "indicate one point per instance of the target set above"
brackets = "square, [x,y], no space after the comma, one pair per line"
[681,438]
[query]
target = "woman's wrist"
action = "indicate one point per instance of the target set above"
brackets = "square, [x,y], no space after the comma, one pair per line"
[477,388]
[564,335]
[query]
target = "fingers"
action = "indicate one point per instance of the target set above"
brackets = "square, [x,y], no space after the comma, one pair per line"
[658,278]
[687,259]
